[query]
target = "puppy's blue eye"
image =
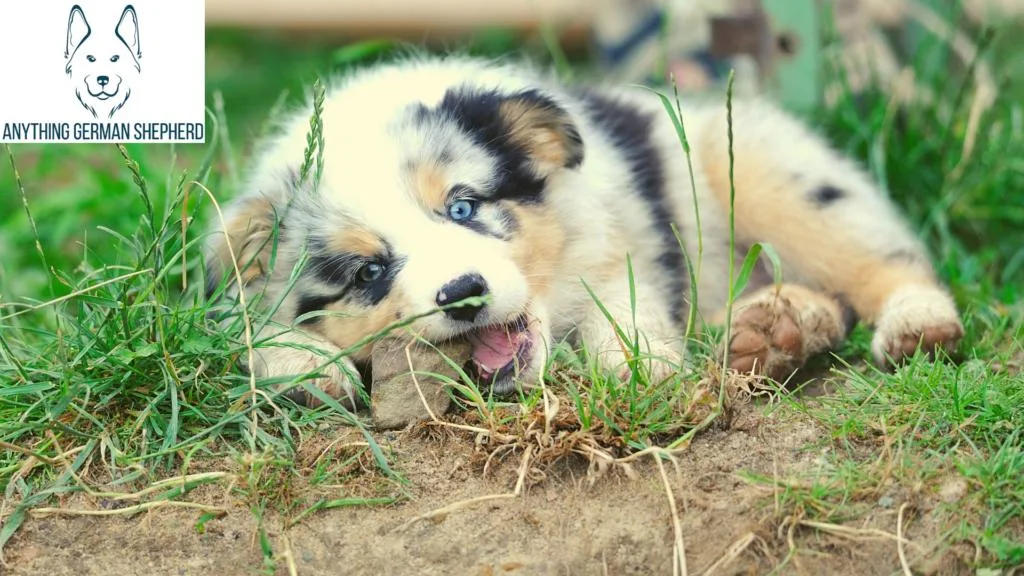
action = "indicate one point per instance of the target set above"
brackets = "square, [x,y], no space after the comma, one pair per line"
[90,58]
[462,210]
[115,58]
[370,272]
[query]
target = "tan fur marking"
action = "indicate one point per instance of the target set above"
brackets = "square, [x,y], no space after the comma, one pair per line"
[539,131]
[355,240]
[249,231]
[832,256]
[430,185]
[538,246]
[351,324]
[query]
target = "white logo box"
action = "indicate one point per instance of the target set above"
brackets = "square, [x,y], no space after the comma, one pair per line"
[90,71]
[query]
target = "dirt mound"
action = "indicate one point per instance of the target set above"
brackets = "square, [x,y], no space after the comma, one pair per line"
[565,521]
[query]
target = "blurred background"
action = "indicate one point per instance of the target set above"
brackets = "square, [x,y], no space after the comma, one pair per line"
[924,92]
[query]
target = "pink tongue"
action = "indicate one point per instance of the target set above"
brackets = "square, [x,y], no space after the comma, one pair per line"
[495,347]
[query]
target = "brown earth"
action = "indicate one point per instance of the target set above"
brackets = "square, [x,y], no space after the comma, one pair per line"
[570,521]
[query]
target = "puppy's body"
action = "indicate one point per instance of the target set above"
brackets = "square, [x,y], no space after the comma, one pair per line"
[452,178]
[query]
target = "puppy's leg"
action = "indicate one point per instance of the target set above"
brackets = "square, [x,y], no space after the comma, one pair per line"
[659,338]
[834,230]
[246,240]
[290,354]
[775,330]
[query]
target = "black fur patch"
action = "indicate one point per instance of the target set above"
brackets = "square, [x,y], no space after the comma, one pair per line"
[369,294]
[478,114]
[340,271]
[630,131]
[827,194]
[311,303]
[493,220]
[335,269]
[374,292]
[482,228]
[420,113]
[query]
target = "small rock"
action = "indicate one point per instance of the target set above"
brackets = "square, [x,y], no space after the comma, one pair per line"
[886,502]
[394,400]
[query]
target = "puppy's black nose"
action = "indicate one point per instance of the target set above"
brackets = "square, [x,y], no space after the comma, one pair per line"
[466,286]
[102,80]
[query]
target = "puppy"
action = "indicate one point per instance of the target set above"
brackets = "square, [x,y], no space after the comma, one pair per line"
[103,63]
[456,179]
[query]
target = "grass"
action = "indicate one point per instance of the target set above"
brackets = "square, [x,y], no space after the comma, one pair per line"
[111,375]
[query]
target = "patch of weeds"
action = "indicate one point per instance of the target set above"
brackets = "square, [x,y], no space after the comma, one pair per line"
[122,378]
[996,484]
[323,474]
[909,434]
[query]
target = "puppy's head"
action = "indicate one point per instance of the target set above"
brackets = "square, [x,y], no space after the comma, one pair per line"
[425,206]
[102,62]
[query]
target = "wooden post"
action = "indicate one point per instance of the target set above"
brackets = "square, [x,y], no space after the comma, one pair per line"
[795,75]
[400,17]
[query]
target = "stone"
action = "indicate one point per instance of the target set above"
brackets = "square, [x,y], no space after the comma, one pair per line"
[394,400]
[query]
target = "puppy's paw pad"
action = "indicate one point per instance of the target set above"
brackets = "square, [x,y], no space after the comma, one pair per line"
[922,319]
[767,339]
[892,347]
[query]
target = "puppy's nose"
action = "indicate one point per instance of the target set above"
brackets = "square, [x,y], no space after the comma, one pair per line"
[466,286]
[102,80]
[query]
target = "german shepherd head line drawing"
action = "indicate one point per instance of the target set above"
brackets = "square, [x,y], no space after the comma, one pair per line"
[103,63]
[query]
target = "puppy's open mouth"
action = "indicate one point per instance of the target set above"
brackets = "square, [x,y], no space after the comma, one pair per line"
[499,352]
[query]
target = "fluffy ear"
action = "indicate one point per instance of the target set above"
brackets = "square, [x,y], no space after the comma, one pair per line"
[128,30]
[78,30]
[246,237]
[544,130]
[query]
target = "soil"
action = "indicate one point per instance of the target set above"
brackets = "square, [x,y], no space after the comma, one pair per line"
[571,521]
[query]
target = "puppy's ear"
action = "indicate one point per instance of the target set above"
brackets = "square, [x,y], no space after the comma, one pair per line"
[245,238]
[78,30]
[128,30]
[542,128]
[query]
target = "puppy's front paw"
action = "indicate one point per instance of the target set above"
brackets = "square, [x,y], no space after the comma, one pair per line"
[767,339]
[331,377]
[916,318]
